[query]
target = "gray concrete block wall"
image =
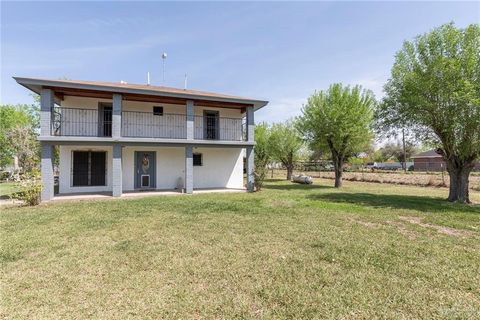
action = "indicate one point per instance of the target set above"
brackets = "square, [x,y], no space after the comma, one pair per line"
[190,119]
[189,169]
[117,171]
[117,116]
[47,101]
[250,169]
[250,124]
[46,165]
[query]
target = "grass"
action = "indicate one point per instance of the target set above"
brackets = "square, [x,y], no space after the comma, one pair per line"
[289,251]
[7,188]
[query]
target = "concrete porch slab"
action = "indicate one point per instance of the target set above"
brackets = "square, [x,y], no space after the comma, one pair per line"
[138,194]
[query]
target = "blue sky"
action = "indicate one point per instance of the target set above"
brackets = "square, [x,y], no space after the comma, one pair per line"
[278,51]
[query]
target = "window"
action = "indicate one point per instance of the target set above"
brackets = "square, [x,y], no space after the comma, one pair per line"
[197,159]
[158,111]
[210,125]
[89,168]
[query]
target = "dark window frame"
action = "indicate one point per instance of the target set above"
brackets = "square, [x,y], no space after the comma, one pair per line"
[197,163]
[211,125]
[105,111]
[157,110]
[91,178]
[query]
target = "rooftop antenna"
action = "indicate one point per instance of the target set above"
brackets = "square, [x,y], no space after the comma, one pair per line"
[186,79]
[148,78]
[164,57]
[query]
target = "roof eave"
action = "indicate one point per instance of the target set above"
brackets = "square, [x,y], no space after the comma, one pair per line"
[32,84]
[431,157]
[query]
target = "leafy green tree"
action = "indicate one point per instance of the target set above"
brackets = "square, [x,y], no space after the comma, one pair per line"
[338,120]
[13,117]
[25,146]
[262,154]
[285,144]
[434,91]
[395,151]
[317,155]
[377,156]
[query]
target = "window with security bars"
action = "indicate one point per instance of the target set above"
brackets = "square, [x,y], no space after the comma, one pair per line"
[89,168]
[197,159]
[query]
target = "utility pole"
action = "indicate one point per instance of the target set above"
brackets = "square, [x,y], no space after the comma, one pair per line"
[404,151]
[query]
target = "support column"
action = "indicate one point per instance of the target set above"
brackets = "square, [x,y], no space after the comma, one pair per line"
[117,170]
[46,165]
[47,101]
[190,120]
[117,116]
[250,125]
[250,167]
[189,169]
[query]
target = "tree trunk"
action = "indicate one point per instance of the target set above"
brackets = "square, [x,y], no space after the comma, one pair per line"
[338,178]
[337,158]
[338,164]
[459,174]
[289,173]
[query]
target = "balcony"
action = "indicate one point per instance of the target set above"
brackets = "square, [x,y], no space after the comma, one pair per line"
[134,124]
[210,127]
[147,125]
[76,122]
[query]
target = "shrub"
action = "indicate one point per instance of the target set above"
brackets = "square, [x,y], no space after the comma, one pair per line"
[260,174]
[29,189]
[4,175]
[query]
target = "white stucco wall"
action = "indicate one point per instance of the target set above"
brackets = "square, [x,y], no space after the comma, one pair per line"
[222,168]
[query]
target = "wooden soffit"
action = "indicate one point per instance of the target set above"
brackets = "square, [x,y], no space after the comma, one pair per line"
[60,93]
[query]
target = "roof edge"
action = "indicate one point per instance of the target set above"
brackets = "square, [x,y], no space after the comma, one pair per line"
[28,82]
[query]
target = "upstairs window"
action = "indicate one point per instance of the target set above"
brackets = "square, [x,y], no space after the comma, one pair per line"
[158,111]
[197,159]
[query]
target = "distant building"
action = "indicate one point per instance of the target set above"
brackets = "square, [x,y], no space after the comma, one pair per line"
[432,161]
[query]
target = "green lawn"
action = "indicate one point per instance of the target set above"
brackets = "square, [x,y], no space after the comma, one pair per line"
[290,251]
[7,188]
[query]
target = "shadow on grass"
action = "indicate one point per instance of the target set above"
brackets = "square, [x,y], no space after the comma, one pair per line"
[292,186]
[419,203]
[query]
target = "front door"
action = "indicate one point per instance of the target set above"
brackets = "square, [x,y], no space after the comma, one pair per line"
[145,170]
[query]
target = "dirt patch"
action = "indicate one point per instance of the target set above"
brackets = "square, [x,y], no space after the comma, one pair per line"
[399,226]
[432,179]
[402,229]
[365,223]
[282,203]
[441,229]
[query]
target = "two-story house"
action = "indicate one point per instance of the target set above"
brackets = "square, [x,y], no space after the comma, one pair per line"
[119,137]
